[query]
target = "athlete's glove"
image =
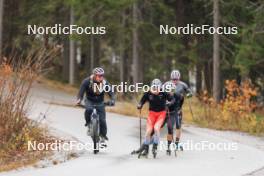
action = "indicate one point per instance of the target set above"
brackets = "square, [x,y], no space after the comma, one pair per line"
[168,103]
[139,106]
[179,112]
[78,102]
[111,103]
[188,95]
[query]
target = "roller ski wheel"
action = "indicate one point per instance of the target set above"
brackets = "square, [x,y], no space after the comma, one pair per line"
[134,152]
[141,148]
[168,151]
[154,150]
[179,147]
[96,151]
[175,153]
[142,155]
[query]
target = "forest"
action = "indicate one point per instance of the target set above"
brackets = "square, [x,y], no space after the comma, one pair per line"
[133,50]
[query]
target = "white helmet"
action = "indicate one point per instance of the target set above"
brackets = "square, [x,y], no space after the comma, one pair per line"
[98,71]
[175,74]
[169,86]
[156,83]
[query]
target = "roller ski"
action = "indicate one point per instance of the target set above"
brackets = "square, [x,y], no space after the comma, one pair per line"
[134,152]
[154,150]
[142,151]
[178,146]
[169,151]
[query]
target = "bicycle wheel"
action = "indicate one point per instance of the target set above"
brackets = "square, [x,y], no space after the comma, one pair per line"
[95,135]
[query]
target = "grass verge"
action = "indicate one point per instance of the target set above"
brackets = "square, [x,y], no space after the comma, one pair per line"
[16,129]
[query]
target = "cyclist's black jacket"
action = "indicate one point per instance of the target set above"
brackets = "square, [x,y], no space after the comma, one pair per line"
[92,93]
[157,103]
[177,104]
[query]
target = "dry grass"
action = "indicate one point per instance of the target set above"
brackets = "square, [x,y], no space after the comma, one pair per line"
[128,109]
[58,85]
[235,112]
[16,78]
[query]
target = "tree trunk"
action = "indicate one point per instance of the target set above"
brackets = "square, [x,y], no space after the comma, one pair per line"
[216,55]
[1,26]
[208,76]
[97,52]
[65,69]
[135,62]
[121,49]
[91,52]
[72,53]
[198,78]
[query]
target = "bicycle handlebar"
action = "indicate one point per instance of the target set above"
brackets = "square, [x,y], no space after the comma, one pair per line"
[92,105]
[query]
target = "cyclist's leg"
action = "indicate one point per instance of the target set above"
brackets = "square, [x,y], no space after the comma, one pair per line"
[102,120]
[88,111]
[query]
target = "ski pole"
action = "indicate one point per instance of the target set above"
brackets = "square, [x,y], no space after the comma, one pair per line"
[190,108]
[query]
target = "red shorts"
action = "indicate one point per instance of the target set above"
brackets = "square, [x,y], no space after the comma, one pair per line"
[155,120]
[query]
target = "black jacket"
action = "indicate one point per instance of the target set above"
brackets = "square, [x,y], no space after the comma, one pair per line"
[92,92]
[157,103]
[177,104]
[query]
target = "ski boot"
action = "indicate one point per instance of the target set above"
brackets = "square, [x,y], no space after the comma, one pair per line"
[154,150]
[168,151]
[144,152]
[102,144]
[102,141]
[141,148]
[178,146]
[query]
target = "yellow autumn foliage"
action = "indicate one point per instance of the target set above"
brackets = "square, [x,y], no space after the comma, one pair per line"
[235,111]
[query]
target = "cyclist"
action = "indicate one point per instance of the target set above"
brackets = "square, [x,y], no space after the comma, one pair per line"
[181,89]
[94,87]
[157,103]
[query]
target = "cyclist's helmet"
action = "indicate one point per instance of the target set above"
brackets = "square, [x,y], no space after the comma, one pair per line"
[156,83]
[175,75]
[98,71]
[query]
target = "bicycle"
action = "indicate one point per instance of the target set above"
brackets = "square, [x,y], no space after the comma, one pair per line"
[95,125]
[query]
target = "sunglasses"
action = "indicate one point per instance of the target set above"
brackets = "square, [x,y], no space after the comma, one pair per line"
[100,76]
[175,79]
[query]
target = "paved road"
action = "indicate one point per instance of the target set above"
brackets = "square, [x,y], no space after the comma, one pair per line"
[123,134]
